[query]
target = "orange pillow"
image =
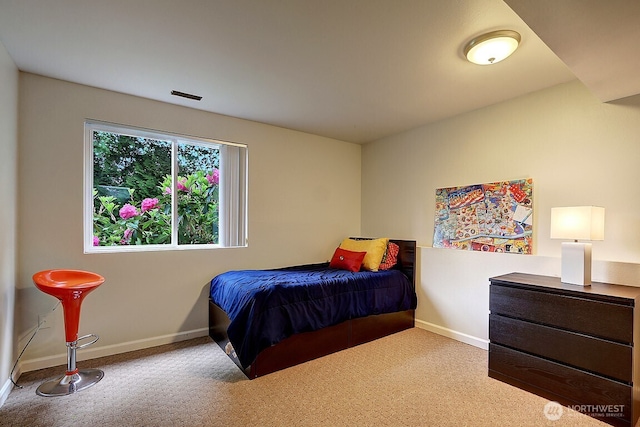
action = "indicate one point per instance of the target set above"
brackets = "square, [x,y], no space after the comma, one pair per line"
[347,260]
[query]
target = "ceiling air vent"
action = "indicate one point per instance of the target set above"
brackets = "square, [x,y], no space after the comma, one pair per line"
[186,95]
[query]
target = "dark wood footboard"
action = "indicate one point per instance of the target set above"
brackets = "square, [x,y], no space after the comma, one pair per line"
[307,346]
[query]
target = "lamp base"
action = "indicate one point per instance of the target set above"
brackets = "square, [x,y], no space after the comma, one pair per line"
[576,263]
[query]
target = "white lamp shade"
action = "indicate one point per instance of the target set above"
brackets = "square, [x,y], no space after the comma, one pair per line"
[577,223]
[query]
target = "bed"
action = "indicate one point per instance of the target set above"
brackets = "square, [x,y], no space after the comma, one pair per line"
[291,331]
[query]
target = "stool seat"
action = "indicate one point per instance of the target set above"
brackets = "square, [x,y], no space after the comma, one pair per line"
[70,287]
[54,282]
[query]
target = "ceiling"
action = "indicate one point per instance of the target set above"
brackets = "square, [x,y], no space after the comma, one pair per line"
[355,70]
[598,40]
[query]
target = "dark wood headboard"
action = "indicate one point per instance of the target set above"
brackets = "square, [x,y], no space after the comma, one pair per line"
[406,256]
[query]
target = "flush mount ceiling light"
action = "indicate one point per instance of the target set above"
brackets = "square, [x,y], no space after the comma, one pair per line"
[492,47]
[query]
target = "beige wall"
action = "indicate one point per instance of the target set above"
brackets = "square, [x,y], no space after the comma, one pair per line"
[8,160]
[578,151]
[304,197]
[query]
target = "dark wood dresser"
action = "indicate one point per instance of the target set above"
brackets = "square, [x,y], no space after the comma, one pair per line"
[568,343]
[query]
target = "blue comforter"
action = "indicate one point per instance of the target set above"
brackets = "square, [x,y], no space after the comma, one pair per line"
[267,306]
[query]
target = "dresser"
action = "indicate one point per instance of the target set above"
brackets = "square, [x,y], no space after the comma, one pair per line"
[568,343]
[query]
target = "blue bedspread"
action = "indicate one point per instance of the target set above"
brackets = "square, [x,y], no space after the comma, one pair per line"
[267,306]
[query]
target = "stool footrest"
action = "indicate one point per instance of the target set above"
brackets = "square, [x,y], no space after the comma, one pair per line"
[74,344]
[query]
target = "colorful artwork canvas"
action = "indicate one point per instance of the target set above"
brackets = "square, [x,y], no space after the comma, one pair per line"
[495,217]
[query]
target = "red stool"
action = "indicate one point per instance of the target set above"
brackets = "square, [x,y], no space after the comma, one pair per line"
[70,287]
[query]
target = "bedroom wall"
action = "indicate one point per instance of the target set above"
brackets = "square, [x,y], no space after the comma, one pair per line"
[304,197]
[578,151]
[8,159]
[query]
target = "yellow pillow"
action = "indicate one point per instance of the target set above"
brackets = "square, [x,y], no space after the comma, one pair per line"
[374,248]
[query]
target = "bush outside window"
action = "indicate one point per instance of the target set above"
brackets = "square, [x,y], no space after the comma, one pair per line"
[157,191]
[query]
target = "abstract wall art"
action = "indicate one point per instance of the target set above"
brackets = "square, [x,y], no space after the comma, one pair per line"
[494,217]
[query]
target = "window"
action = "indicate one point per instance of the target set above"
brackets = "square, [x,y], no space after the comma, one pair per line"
[147,190]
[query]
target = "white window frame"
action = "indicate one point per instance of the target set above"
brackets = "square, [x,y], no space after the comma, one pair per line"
[232,195]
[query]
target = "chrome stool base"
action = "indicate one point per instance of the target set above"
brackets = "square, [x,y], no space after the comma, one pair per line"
[74,379]
[70,384]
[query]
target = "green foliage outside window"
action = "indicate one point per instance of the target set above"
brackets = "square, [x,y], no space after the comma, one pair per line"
[130,162]
[132,191]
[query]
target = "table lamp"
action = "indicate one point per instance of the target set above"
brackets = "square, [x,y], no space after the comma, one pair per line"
[577,223]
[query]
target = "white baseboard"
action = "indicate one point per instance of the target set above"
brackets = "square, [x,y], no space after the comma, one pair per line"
[8,386]
[109,350]
[449,333]
[4,392]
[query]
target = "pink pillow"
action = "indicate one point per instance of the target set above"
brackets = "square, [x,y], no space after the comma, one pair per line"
[390,257]
[347,260]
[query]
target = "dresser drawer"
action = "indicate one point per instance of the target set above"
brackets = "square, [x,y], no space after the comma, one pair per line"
[607,358]
[602,319]
[564,384]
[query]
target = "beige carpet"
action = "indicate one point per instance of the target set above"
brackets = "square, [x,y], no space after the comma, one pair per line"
[413,378]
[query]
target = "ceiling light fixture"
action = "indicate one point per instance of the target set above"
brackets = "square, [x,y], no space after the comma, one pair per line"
[492,47]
